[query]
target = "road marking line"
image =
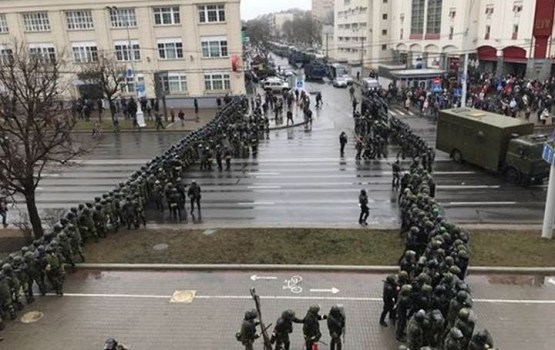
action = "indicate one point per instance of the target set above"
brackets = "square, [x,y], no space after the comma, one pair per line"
[255,203]
[284,297]
[268,187]
[479,203]
[469,187]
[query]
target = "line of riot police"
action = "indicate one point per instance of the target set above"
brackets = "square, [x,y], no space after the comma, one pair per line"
[44,261]
[371,128]
[428,300]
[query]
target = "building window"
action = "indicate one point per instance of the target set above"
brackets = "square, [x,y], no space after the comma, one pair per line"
[84,52]
[489,10]
[384,31]
[36,22]
[214,47]
[175,83]
[167,15]
[385,1]
[517,7]
[128,86]
[384,16]
[217,81]
[6,55]
[515,31]
[488,32]
[122,18]
[433,24]
[452,12]
[417,17]
[170,49]
[402,32]
[211,13]
[3,24]
[125,53]
[384,47]
[43,52]
[79,20]
[451,32]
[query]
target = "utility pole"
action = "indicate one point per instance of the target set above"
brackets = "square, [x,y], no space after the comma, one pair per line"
[361,56]
[464,78]
[548,217]
[327,49]
[131,56]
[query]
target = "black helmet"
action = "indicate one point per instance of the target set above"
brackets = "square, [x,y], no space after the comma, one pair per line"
[110,344]
[251,314]
[462,296]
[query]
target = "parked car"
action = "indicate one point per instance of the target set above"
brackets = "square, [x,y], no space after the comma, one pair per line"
[275,85]
[369,84]
[340,82]
[349,79]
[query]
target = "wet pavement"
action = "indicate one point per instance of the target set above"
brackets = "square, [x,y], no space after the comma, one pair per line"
[136,308]
[299,177]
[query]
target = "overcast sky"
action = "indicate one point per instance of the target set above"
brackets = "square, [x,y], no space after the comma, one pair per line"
[252,8]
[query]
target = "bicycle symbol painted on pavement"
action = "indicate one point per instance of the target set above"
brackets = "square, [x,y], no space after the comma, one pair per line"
[293,284]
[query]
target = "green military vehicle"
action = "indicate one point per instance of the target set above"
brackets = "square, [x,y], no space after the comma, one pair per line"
[503,145]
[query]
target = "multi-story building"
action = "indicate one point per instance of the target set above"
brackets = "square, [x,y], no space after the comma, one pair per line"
[361,31]
[277,21]
[322,10]
[195,44]
[502,36]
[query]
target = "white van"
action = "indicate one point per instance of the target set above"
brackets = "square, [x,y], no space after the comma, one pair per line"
[369,84]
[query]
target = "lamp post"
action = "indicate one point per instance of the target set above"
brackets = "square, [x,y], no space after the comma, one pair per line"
[465,48]
[140,118]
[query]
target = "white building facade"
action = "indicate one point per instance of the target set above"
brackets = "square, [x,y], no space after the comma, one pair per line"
[322,10]
[502,36]
[194,45]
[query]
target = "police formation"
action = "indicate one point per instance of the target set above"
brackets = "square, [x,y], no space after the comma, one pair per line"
[428,301]
[159,184]
[284,326]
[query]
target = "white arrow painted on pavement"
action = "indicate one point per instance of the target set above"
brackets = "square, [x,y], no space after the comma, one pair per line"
[333,290]
[255,277]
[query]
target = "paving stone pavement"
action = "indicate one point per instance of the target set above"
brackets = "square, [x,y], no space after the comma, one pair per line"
[135,308]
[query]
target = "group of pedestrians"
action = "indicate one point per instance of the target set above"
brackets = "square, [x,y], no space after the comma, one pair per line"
[43,263]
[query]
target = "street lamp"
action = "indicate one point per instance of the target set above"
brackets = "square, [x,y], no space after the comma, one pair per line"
[140,119]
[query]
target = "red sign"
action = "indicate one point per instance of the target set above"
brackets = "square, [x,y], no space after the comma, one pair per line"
[543,26]
[543,20]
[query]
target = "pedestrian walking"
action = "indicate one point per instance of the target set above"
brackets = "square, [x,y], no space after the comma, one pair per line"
[159,123]
[342,142]
[289,117]
[364,210]
[194,195]
[195,103]
[181,116]
[355,104]
[4,211]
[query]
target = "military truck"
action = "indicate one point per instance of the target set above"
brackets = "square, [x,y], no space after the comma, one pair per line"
[499,144]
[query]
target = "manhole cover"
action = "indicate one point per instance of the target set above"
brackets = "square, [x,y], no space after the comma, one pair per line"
[209,232]
[161,246]
[183,296]
[31,316]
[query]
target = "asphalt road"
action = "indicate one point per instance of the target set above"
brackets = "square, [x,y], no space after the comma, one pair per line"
[298,177]
[136,308]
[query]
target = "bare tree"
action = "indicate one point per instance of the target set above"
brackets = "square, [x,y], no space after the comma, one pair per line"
[106,74]
[35,130]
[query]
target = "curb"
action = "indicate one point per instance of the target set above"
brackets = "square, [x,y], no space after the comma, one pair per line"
[130,131]
[477,270]
[288,126]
